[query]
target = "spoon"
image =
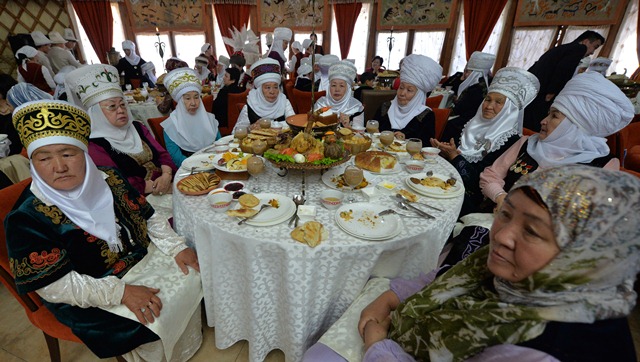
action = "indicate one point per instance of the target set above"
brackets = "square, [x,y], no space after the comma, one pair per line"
[264,206]
[298,200]
[406,206]
[402,198]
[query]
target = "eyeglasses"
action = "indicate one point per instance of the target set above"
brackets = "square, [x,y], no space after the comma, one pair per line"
[114,107]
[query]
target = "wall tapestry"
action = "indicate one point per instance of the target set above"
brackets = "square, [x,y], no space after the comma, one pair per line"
[416,14]
[293,14]
[174,14]
[568,12]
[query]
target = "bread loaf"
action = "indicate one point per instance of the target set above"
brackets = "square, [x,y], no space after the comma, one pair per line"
[375,161]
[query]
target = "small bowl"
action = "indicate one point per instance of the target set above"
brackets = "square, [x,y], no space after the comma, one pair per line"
[414,166]
[220,201]
[234,186]
[221,149]
[430,153]
[331,199]
[386,187]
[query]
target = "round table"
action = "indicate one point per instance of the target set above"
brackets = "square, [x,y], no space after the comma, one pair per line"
[262,286]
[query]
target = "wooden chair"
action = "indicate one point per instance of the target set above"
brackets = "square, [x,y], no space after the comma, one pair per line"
[442,116]
[301,101]
[434,102]
[288,90]
[628,146]
[233,112]
[372,100]
[156,128]
[207,102]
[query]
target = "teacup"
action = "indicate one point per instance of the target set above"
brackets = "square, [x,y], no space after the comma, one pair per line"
[331,199]
[430,153]
[220,201]
[414,166]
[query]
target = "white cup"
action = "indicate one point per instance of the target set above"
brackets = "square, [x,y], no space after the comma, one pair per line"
[414,166]
[219,201]
[430,153]
[331,199]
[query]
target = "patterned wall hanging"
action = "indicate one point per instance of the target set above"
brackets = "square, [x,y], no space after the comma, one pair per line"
[576,12]
[167,14]
[416,14]
[293,14]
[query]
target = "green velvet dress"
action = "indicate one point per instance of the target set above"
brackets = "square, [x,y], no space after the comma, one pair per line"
[44,245]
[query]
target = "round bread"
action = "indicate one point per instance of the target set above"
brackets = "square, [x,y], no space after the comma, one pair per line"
[242,212]
[375,161]
[248,200]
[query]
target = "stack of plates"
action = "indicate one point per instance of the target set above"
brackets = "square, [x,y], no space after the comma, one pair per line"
[362,221]
[272,216]
[435,192]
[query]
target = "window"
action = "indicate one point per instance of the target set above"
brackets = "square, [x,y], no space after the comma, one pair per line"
[118,35]
[528,44]
[429,43]
[188,46]
[358,49]
[399,47]
[148,49]
[624,55]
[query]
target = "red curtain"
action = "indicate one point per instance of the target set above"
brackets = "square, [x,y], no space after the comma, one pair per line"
[96,19]
[480,16]
[229,16]
[346,16]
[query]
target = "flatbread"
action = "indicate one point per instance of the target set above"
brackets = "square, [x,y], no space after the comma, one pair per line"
[310,233]
[242,212]
[248,201]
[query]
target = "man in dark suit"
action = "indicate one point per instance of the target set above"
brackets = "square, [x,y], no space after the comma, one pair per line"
[554,69]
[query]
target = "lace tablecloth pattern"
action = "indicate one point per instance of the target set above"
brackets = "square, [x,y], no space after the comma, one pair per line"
[262,286]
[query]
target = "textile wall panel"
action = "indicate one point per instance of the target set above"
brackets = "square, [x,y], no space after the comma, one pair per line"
[25,17]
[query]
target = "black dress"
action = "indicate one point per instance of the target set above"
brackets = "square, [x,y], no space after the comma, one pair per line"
[221,103]
[422,126]
[131,71]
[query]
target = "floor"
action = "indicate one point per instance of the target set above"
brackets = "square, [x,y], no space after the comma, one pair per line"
[20,341]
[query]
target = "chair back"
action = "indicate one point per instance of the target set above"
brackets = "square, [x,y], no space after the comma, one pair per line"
[434,102]
[232,111]
[156,128]
[288,89]
[135,83]
[301,101]
[372,100]
[528,132]
[207,102]
[442,116]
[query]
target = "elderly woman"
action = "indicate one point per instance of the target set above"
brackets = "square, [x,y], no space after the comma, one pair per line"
[165,105]
[558,264]
[131,64]
[407,115]
[281,38]
[303,80]
[588,109]
[339,96]
[91,246]
[221,103]
[116,140]
[496,126]
[189,127]
[30,71]
[265,100]
[376,65]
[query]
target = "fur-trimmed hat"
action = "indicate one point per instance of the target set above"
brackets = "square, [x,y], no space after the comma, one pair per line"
[480,61]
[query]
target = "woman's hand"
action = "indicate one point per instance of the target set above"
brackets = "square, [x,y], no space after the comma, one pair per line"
[378,310]
[185,258]
[399,135]
[448,149]
[375,332]
[143,302]
[162,184]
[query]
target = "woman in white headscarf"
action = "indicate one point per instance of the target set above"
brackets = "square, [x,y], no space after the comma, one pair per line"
[103,262]
[189,127]
[407,115]
[496,126]
[131,64]
[281,38]
[30,71]
[265,99]
[340,97]
[303,80]
[588,109]
[324,63]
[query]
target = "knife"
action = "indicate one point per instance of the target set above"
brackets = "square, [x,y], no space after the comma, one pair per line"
[418,211]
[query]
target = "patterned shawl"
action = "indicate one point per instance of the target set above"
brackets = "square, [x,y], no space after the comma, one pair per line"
[596,214]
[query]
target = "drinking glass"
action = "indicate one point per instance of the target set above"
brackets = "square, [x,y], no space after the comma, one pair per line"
[353,176]
[241,133]
[255,166]
[414,146]
[145,85]
[386,138]
[372,126]
[264,123]
[128,87]
[259,146]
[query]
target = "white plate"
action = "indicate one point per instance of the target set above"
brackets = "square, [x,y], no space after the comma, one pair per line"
[365,222]
[396,168]
[332,173]
[272,216]
[201,162]
[435,192]
[224,168]
[225,140]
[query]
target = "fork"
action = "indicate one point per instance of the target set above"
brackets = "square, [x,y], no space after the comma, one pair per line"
[391,211]
[264,206]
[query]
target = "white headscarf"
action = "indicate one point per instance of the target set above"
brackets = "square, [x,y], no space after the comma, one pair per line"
[346,72]
[29,52]
[190,132]
[124,139]
[134,58]
[263,108]
[148,68]
[422,72]
[480,64]
[594,108]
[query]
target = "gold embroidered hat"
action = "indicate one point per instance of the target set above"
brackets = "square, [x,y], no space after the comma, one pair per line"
[47,122]
[180,81]
[93,83]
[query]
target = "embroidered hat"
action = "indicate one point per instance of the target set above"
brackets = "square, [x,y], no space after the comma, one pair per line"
[304,69]
[520,86]
[343,70]
[39,38]
[205,47]
[265,70]
[600,65]
[46,122]
[421,71]
[93,83]
[480,61]
[223,60]
[201,59]
[180,81]
[69,36]
[56,38]
[282,34]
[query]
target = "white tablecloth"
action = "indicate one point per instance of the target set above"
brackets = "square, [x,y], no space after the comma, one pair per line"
[262,286]
[143,111]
